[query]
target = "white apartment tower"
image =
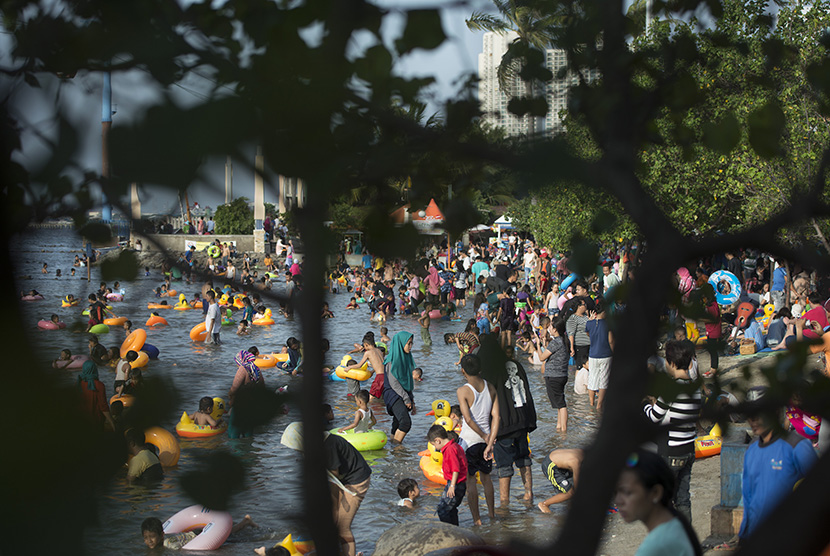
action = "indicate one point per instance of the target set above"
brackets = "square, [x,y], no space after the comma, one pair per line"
[494,101]
[490,94]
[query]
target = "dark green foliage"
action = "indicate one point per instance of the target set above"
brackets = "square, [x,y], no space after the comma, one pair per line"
[123,267]
[235,218]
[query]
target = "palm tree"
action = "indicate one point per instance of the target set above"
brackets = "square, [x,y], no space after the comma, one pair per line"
[535,31]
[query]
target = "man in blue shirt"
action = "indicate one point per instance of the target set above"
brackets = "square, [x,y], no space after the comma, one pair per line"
[779,284]
[367,261]
[773,464]
[478,267]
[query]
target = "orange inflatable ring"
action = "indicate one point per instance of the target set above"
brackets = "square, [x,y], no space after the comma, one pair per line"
[154,320]
[432,470]
[182,307]
[115,321]
[158,306]
[134,342]
[166,443]
[198,305]
[142,360]
[263,322]
[266,361]
[127,399]
[199,332]
[172,293]
[238,303]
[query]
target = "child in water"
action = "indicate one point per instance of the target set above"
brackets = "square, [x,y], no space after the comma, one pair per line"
[242,329]
[409,491]
[292,348]
[203,417]
[457,417]
[154,537]
[327,314]
[63,360]
[364,419]
[353,304]
[418,374]
[384,335]
[424,320]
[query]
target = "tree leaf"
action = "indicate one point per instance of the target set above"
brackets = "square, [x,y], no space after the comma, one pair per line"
[96,232]
[765,127]
[423,30]
[122,267]
[724,135]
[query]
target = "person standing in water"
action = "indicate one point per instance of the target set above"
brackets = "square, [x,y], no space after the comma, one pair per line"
[398,385]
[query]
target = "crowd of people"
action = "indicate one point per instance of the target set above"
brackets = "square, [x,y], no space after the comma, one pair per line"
[528,310]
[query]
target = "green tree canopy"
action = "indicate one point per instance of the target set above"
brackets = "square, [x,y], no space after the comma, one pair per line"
[235,218]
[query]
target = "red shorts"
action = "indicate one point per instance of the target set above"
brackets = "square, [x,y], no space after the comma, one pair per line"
[376,389]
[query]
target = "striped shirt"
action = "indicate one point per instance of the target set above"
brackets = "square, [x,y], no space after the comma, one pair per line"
[679,417]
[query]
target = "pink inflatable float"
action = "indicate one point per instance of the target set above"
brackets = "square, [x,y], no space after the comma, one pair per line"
[216,527]
[73,363]
[49,325]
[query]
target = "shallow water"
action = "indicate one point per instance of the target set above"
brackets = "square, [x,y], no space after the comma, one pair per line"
[272,495]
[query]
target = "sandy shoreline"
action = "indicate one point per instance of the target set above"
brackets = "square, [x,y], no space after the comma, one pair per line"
[622,539]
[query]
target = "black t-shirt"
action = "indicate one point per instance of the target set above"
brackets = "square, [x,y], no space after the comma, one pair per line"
[98,353]
[346,460]
[96,311]
[381,290]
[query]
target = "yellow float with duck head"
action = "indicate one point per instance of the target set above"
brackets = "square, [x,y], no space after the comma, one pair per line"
[186,428]
[769,312]
[182,304]
[440,408]
[266,319]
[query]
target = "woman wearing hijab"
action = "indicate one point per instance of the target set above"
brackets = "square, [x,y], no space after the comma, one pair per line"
[94,395]
[398,384]
[433,284]
[246,373]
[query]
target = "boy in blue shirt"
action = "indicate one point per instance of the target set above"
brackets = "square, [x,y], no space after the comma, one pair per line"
[774,462]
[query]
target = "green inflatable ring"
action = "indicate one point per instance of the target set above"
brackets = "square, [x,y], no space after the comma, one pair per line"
[364,441]
[99,329]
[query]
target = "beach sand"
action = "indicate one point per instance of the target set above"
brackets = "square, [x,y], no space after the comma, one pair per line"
[623,539]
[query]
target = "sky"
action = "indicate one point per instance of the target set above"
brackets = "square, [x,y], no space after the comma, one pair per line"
[133,93]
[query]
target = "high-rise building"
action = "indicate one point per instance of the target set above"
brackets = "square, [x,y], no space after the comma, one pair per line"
[490,94]
[494,100]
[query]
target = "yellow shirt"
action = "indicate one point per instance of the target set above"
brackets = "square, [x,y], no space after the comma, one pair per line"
[140,463]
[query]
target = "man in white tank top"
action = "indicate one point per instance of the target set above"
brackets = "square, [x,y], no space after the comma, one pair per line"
[480,410]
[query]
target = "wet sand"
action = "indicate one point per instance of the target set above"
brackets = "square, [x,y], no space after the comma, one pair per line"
[623,539]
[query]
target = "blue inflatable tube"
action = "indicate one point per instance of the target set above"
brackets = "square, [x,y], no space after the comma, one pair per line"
[568,281]
[151,351]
